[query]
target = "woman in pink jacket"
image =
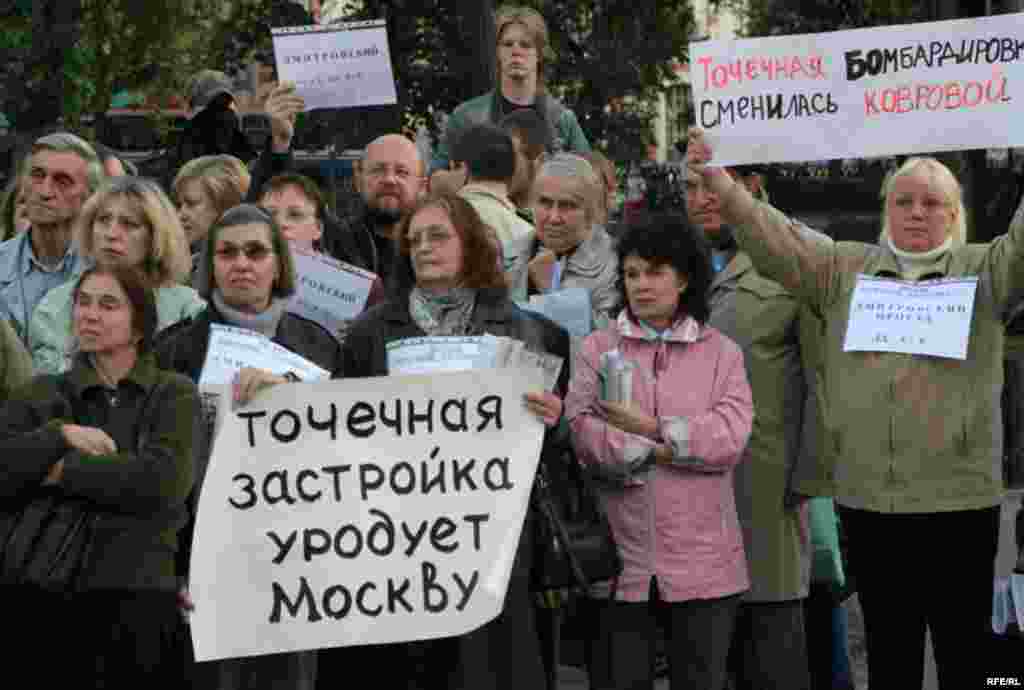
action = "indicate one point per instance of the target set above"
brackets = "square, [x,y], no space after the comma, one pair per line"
[661,410]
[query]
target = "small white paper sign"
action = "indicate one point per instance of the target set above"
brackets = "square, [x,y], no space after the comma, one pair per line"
[231,349]
[568,307]
[330,292]
[431,354]
[362,511]
[343,65]
[879,91]
[931,317]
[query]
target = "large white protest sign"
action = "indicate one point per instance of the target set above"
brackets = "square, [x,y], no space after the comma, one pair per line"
[362,511]
[338,65]
[330,292]
[932,317]
[938,86]
[230,349]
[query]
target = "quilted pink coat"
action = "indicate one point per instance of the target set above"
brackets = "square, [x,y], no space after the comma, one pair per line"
[676,522]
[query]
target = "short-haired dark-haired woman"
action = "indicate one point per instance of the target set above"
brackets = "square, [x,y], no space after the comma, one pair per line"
[660,409]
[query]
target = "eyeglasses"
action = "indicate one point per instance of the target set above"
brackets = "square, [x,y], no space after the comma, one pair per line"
[431,236]
[292,215]
[381,170]
[254,251]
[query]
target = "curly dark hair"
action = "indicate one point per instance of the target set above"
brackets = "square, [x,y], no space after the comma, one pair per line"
[670,239]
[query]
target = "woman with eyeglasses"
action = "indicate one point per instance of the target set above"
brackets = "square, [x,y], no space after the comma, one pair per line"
[299,207]
[128,223]
[248,277]
[449,282]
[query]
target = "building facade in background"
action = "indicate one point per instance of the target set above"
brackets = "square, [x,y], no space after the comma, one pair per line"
[715,20]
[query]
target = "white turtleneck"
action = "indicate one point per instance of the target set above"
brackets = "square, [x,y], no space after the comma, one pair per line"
[913,265]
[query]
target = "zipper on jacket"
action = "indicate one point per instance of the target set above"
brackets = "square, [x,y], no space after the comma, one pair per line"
[653,524]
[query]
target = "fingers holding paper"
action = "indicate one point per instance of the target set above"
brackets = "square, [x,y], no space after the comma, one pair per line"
[546,406]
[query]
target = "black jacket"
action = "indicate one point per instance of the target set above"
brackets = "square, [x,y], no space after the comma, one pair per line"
[503,654]
[212,131]
[139,492]
[182,348]
[365,350]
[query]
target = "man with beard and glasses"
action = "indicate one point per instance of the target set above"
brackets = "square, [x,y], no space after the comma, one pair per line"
[392,181]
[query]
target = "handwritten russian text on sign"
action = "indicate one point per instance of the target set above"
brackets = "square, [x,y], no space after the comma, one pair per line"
[928,318]
[329,292]
[231,349]
[362,511]
[938,86]
[338,65]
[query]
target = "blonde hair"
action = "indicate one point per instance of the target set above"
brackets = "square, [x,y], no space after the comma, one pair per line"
[581,172]
[536,28]
[224,179]
[943,178]
[168,261]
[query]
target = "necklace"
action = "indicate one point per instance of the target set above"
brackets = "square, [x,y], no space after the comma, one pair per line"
[109,385]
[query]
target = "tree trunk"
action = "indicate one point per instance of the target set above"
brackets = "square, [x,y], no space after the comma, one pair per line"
[477,18]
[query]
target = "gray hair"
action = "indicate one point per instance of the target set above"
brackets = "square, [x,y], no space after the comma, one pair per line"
[578,169]
[66,142]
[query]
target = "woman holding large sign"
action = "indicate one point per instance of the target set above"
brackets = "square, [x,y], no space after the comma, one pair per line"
[247,276]
[910,388]
[98,464]
[450,283]
[660,408]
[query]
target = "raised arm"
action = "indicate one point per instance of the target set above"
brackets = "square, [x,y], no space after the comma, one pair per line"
[788,252]
[1004,261]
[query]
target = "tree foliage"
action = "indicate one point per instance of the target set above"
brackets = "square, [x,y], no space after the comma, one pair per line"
[609,59]
[781,17]
[36,45]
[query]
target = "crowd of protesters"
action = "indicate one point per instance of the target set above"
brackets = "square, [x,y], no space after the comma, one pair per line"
[750,446]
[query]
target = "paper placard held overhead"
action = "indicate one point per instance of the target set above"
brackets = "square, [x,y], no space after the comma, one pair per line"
[937,86]
[337,66]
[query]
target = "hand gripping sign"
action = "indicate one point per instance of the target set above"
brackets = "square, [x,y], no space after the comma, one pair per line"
[939,86]
[362,511]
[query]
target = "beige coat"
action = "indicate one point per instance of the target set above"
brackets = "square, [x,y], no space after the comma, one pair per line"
[764,320]
[906,433]
[15,363]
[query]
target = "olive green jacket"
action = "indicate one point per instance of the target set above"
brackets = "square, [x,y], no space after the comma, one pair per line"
[138,492]
[764,319]
[15,363]
[903,433]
